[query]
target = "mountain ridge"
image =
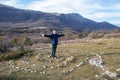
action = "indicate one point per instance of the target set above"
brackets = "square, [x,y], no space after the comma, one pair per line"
[37,18]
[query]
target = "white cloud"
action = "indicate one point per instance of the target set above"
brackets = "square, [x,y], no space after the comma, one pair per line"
[9,2]
[13,3]
[102,15]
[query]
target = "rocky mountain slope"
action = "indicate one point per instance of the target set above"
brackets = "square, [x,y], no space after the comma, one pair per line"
[12,17]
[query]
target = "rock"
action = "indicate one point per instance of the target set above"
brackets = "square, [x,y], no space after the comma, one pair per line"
[71,69]
[65,72]
[31,71]
[28,70]
[11,62]
[51,67]
[65,63]
[35,71]
[96,76]
[118,69]
[40,72]
[43,72]
[34,65]
[86,59]
[57,61]
[97,62]
[58,65]
[111,74]
[17,68]
[26,62]
[39,57]
[44,67]
[24,58]
[70,59]
[25,69]
[79,64]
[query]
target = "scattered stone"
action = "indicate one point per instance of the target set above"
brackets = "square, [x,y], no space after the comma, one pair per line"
[96,76]
[35,71]
[65,63]
[31,71]
[34,65]
[44,67]
[17,68]
[28,70]
[26,62]
[81,63]
[111,74]
[25,69]
[71,69]
[58,65]
[39,57]
[97,62]
[43,72]
[24,58]
[118,69]
[65,72]
[51,67]
[11,62]
[40,72]
[86,60]
[70,59]
[57,60]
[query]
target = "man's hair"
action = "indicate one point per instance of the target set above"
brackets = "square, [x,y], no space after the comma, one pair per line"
[54,30]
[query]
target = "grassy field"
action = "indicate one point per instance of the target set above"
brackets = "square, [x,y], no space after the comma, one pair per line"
[30,68]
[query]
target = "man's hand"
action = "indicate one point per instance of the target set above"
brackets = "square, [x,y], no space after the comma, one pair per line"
[43,35]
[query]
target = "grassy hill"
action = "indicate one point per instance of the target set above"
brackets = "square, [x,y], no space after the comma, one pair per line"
[73,62]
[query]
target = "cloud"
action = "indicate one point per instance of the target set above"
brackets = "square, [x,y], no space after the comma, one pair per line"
[8,2]
[13,3]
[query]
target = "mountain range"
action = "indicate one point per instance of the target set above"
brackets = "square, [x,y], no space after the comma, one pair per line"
[13,17]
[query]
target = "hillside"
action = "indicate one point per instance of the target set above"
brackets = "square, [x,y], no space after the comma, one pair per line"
[96,59]
[12,17]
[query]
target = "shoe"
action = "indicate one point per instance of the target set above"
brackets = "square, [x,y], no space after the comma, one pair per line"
[55,57]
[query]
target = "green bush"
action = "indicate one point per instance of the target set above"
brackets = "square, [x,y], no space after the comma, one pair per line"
[80,35]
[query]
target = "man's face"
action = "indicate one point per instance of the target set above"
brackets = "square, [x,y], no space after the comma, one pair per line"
[54,32]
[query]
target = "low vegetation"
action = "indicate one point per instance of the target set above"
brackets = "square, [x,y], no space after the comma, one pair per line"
[79,51]
[11,48]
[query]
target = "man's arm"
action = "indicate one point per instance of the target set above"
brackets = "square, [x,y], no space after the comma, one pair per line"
[44,35]
[60,35]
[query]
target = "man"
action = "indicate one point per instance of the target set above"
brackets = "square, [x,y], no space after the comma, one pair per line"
[54,40]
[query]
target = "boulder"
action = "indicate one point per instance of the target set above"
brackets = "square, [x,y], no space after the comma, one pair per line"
[97,62]
[111,74]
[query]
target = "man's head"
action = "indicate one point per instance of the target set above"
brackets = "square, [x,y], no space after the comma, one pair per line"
[54,32]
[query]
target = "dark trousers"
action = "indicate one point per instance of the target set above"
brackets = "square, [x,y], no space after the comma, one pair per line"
[54,46]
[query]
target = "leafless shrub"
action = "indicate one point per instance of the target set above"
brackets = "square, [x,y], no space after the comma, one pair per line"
[97,34]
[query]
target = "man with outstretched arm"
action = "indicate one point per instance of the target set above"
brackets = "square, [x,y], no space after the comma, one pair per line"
[54,40]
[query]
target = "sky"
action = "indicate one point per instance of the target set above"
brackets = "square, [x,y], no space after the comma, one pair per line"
[97,10]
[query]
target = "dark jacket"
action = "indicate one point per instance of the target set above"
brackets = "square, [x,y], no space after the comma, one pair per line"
[54,38]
